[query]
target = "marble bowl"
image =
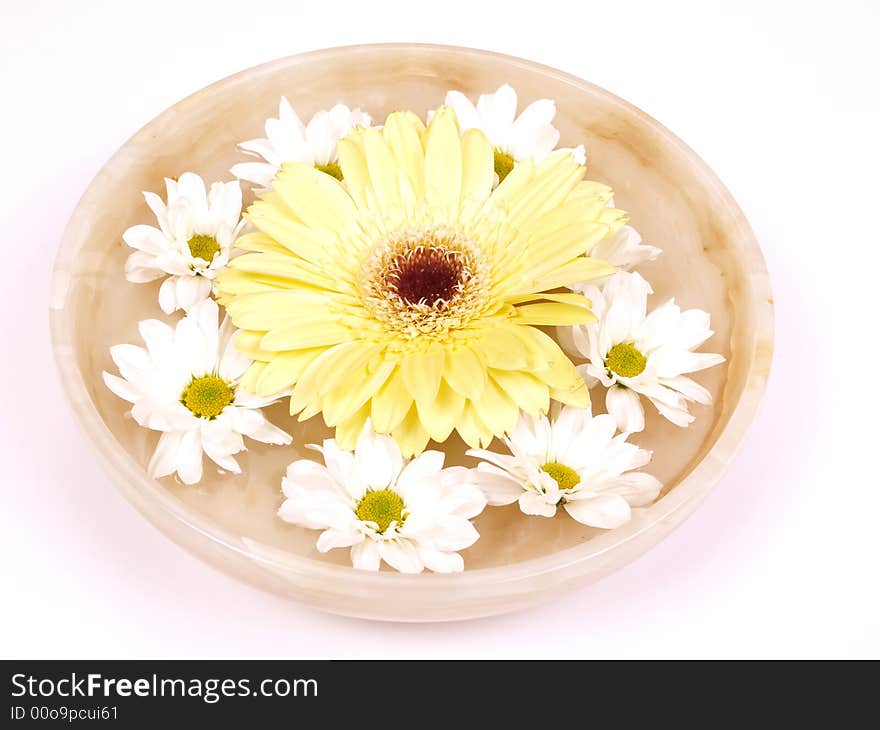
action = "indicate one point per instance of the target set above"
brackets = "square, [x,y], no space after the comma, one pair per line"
[711,260]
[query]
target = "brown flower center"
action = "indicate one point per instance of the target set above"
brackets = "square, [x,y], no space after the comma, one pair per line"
[425,275]
[424,281]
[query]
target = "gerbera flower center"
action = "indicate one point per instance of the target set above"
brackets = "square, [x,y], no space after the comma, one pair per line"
[503,164]
[424,282]
[203,247]
[564,476]
[425,275]
[207,396]
[331,169]
[382,506]
[625,360]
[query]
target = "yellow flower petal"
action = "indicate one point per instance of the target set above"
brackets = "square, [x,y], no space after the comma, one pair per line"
[550,186]
[284,370]
[576,271]
[410,435]
[496,410]
[341,403]
[279,222]
[260,242]
[278,309]
[251,376]
[554,313]
[531,394]
[422,372]
[248,344]
[464,372]
[282,269]
[478,170]
[402,132]
[440,415]
[317,199]
[577,395]
[443,160]
[383,169]
[578,300]
[348,431]
[500,347]
[353,163]
[391,403]
[472,430]
[321,330]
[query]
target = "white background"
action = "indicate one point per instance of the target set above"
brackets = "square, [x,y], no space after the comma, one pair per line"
[781,99]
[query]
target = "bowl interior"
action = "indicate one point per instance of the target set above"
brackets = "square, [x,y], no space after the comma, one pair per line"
[710,261]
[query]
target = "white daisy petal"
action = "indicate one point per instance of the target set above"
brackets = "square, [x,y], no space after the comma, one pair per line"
[690,389]
[532,503]
[267,433]
[606,511]
[498,111]
[365,555]
[465,111]
[141,268]
[624,249]
[441,562]
[401,555]
[334,538]
[164,459]
[377,458]
[189,458]
[678,416]
[289,140]
[122,388]
[263,148]
[499,487]
[637,488]
[626,408]
[341,465]
[531,135]
[260,173]
[145,238]
[168,295]
[426,464]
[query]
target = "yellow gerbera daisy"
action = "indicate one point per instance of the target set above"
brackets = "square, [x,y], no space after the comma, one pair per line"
[411,292]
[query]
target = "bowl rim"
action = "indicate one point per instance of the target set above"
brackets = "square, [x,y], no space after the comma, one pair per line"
[672,508]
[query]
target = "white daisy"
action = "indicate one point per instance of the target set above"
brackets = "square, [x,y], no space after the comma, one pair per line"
[575,462]
[412,515]
[191,245]
[289,140]
[634,353]
[185,385]
[624,249]
[529,135]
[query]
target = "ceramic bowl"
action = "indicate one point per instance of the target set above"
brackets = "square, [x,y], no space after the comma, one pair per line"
[711,260]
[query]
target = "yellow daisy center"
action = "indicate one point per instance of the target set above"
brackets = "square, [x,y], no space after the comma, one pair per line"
[207,396]
[625,360]
[382,506]
[424,282]
[203,247]
[503,164]
[331,169]
[563,475]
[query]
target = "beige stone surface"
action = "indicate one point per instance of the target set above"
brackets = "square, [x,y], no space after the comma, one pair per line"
[710,261]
